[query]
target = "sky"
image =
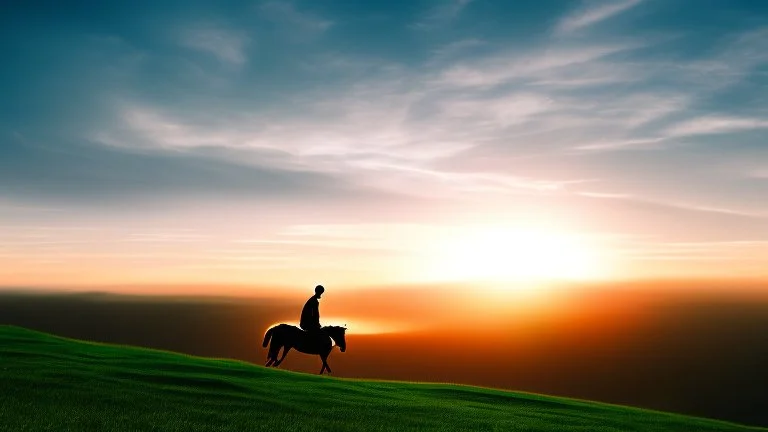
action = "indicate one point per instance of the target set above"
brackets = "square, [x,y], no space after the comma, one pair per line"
[289,143]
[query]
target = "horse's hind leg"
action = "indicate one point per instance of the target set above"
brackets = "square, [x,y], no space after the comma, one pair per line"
[270,359]
[272,355]
[285,353]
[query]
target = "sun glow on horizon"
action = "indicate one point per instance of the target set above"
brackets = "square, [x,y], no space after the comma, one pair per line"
[498,254]
[356,326]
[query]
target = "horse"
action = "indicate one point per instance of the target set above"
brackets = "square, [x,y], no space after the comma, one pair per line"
[287,337]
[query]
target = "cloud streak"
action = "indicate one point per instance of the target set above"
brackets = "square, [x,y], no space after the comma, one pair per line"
[226,45]
[442,14]
[716,125]
[286,13]
[593,15]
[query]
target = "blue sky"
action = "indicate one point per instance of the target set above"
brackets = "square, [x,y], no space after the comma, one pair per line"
[640,124]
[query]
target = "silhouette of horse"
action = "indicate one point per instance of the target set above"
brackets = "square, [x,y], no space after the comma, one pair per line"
[287,337]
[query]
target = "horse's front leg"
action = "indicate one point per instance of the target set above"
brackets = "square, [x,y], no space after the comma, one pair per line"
[325,364]
[285,353]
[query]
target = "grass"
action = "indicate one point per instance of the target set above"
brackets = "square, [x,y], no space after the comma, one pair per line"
[58,384]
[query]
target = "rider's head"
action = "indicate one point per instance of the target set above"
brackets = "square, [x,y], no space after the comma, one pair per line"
[319,291]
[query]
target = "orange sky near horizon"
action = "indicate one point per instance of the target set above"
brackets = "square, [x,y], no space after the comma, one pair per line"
[426,308]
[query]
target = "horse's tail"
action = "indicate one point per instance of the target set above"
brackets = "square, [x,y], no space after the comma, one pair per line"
[268,336]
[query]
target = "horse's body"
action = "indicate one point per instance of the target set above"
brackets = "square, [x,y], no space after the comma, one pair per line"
[288,337]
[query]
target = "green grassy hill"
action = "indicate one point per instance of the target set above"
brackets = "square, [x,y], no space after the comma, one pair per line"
[57,384]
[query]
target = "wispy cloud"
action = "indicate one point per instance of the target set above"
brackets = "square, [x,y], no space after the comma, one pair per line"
[167,236]
[593,14]
[716,125]
[407,123]
[502,68]
[456,49]
[679,205]
[226,45]
[441,14]
[650,250]
[286,13]
[618,144]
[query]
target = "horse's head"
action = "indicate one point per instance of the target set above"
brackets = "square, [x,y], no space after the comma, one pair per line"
[337,334]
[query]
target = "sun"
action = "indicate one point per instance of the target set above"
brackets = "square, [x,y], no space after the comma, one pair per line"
[506,254]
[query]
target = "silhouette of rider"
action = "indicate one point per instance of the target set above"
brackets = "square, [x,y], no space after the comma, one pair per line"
[310,315]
